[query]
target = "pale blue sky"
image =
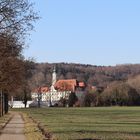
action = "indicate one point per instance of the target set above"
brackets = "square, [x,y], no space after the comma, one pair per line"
[98,32]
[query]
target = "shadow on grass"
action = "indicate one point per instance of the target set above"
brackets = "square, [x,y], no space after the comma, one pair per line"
[87,139]
[107,132]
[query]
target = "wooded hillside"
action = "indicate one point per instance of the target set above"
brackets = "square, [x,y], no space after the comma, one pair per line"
[90,74]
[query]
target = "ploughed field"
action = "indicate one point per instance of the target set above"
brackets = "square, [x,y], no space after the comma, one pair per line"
[103,123]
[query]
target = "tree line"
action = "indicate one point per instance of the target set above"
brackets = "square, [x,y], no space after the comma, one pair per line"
[100,76]
[116,94]
[16,20]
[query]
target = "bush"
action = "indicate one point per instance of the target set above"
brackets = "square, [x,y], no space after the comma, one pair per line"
[72,99]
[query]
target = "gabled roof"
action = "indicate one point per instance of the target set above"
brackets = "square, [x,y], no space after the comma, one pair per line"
[41,90]
[62,85]
[44,89]
[66,85]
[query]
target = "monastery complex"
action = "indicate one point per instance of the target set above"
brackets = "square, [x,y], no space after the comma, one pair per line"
[60,89]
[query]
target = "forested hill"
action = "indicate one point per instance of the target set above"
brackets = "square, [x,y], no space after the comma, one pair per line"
[90,74]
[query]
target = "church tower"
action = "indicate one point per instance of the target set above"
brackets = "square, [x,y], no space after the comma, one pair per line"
[54,76]
[52,89]
[53,79]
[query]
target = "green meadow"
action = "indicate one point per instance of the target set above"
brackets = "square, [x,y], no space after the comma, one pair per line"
[102,123]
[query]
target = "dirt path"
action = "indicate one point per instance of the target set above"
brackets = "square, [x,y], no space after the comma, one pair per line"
[14,130]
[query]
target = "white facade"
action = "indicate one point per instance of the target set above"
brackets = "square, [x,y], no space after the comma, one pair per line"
[19,104]
[43,96]
[51,96]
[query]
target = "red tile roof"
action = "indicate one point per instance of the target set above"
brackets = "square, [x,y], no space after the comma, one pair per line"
[44,89]
[62,85]
[81,84]
[66,85]
[41,90]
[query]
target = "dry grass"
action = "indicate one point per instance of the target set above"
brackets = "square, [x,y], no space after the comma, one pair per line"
[5,119]
[31,131]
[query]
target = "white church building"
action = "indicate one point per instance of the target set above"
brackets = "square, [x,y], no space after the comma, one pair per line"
[59,89]
[50,95]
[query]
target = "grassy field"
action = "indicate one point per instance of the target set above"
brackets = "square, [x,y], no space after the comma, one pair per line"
[103,123]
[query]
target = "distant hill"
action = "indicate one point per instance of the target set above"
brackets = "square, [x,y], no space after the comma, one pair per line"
[90,74]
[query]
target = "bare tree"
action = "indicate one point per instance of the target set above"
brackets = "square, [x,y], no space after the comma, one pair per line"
[16,16]
[16,19]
